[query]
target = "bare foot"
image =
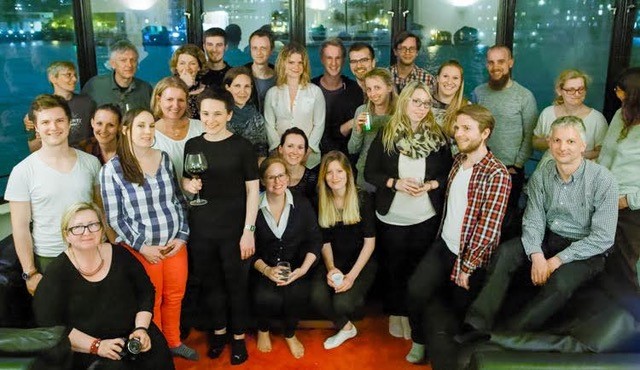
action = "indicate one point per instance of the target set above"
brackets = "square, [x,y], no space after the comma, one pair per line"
[264,341]
[296,348]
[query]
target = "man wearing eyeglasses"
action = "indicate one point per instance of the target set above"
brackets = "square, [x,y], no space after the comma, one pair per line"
[62,76]
[341,94]
[515,110]
[406,47]
[361,60]
[43,185]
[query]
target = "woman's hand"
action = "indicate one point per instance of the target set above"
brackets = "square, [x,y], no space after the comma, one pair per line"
[347,283]
[192,185]
[111,348]
[152,253]
[426,187]
[360,121]
[173,247]
[272,273]
[409,186]
[143,337]
[293,276]
[186,77]
[247,245]
[330,273]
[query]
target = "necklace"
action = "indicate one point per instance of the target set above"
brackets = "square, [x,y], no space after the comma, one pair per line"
[87,273]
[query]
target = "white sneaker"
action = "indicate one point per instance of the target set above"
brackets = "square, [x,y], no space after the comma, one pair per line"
[406,328]
[395,326]
[416,354]
[340,337]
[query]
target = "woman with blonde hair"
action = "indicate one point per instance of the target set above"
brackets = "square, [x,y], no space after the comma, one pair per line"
[408,162]
[147,211]
[295,102]
[189,63]
[346,219]
[571,91]
[380,105]
[117,288]
[449,95]
[173,125]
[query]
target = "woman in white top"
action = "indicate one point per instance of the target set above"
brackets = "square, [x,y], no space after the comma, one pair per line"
[571,90]
[174,127]
[295,102]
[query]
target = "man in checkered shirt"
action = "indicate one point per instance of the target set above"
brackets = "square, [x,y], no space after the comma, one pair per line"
[477,194]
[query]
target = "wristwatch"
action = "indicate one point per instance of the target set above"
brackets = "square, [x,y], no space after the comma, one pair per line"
[27,275]
[251,228]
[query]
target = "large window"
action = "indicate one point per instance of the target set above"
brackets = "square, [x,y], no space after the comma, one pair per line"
[454,29]
[241,18]
[635,47]
[156,27]
[32,35]
[553,35]
[352,21]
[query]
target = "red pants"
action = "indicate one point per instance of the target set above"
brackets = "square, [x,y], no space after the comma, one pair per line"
[169,278]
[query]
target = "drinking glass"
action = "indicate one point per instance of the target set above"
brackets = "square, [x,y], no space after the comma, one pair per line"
[196,164]
[285,270]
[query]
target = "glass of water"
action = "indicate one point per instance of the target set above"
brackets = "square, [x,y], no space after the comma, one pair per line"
[284,270]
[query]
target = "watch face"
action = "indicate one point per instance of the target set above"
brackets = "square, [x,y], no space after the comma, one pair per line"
[25,276]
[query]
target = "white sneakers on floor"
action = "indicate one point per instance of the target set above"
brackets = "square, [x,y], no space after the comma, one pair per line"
[340,337]
[416,354]
[395,326]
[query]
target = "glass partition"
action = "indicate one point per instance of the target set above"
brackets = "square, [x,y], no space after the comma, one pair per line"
[156,27]
[454,29]
[351,21]
[30,39]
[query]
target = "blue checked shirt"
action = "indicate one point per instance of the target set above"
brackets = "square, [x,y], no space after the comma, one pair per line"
[151,214]
[584,209]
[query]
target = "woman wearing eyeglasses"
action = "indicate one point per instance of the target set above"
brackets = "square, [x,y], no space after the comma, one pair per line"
[571,90]
[102,295]
[408,162]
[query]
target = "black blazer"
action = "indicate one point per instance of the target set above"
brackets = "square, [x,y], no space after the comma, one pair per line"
[381,166]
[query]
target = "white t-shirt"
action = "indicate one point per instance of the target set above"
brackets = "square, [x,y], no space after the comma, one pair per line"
[456,208]
[175,148]
[406,209]
[50,193]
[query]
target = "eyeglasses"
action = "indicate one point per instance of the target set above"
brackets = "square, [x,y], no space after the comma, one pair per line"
[421,103]
[572,91]
[79,230]
[276,177]
[410,50]
[359,61]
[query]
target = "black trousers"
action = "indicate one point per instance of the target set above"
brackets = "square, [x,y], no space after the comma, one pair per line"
[431,282]
[286,303]
[622,263]
[548,299]
[341,307]
[402,249]
[222,289]
[512,223]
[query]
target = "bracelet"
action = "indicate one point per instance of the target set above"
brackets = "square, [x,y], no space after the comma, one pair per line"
[146,330]
[95,345]
[265,269]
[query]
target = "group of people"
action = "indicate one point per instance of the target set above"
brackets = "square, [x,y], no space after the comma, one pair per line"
[295,180]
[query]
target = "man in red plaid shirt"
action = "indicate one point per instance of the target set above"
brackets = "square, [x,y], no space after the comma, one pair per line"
[477,194]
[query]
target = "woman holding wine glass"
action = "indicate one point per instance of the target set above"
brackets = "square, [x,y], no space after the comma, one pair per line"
[287,237]
[195,164]
[155,231]
[222,239]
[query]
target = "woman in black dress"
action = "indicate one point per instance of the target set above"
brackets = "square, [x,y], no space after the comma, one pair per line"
[348,229]
[286,232]
[103,296]
[221,240]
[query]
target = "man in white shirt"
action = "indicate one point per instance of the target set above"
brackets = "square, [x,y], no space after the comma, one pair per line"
[44,184]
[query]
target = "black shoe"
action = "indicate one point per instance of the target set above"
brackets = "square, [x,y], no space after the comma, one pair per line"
[238,352]
[471,335]
[216,345]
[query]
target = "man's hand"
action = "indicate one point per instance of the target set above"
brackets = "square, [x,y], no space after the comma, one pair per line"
[462,280]
[539,269]
[32,283]
[622,202]
[553,263]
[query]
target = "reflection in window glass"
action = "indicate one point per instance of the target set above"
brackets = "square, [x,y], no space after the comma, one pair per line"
[635,47]
[551,36]
[156,27]
[351,21]
[30,39]
[248,15]
[458,29]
